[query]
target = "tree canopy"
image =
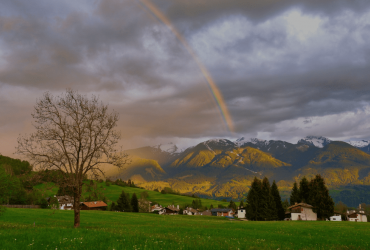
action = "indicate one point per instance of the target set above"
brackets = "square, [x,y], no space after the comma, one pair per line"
[74,134]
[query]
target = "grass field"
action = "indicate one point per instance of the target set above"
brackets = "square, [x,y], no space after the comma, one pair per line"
[112,193]
[50,229]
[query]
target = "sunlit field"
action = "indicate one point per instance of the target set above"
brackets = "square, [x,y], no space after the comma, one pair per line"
[50,229]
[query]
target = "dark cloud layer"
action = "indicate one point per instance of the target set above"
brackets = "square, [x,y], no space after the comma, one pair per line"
[285,68]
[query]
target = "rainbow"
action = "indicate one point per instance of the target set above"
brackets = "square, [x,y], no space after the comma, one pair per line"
[211,84]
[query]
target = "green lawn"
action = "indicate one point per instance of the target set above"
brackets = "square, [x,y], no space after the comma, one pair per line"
[112,230]
[112,193]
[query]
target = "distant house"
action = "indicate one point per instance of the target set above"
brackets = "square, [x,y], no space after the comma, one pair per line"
[222,212]
[190,211]
[65,202]
[357,216]
[93,205]
[241,213]
[301,211]
[171,210]
[336,217]
[156,207]
[206,213]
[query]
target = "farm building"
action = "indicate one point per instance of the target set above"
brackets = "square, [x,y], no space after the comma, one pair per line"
[300,211]
[171,210]
[222,212]
[65,202]
[357,216]
[336,217]
[93,205]
[190,211]
[241,213]
[206,213]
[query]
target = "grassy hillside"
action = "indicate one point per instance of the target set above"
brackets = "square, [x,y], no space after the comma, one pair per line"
[112,193]
[47,229]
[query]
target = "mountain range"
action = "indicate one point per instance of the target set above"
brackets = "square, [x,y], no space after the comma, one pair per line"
[221,168]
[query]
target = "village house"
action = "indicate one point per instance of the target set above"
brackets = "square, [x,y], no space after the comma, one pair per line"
[93,205]
[300,211]
[171,210]
[190,211]
[65,202]
[355,216]
[222,212]
[156,207]
[241,213]
[206,213]
[336,217]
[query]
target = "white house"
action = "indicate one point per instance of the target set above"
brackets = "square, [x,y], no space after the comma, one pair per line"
[241,213]
[190,211]
[336,217]
[359,216]
[65,202]
[301,211]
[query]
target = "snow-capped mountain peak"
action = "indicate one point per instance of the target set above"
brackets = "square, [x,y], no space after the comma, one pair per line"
[317,141]
[169,147]
[359,144]
[256,141]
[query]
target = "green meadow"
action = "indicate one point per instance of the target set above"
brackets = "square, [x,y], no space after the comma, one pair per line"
[112,192]
[51,229]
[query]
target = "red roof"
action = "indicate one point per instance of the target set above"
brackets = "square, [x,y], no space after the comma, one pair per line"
[94,203]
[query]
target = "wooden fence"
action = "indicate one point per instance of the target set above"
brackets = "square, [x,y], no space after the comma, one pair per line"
[22,206]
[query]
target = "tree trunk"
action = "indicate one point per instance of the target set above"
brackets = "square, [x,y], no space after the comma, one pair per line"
[77,210]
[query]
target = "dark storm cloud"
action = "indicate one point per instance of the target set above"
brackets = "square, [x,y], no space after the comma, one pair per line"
[199,12]
[275,73]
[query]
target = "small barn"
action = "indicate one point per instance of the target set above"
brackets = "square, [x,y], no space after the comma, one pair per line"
[336,217]
[222,212]
[93,205]
[66,202]
[301,211]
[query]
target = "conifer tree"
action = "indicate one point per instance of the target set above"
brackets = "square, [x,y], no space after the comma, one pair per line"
[304,190]
[134,203]
[232,205]
[268,208]
[254,201]
[320,199]
[295,196]
[280,212]
[211,207]
[241,204]
[123,203]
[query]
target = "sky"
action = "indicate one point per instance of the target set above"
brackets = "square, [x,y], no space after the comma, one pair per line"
[285,68]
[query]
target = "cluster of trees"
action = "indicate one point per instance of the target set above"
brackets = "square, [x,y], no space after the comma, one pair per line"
[121,183]
[125,204]
[14,189]
[264,201]
[315,193]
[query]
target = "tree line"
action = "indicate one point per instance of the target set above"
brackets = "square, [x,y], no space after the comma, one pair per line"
[315,193]
[264,201]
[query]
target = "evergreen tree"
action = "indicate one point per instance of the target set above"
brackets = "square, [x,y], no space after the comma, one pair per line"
[232,205]
[254,202]
[211,207]
[294,196]
[268,208]
[113,207]
[285,204]
[304,190]
[134,203]
[123,203]
[320,199]
[280,212]
[241,203]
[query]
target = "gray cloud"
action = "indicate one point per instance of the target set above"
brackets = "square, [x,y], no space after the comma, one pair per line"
[279,64]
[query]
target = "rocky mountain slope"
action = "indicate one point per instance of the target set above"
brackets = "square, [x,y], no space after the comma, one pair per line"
[224,168]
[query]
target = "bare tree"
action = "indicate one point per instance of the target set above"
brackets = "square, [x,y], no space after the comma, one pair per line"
[74,134]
